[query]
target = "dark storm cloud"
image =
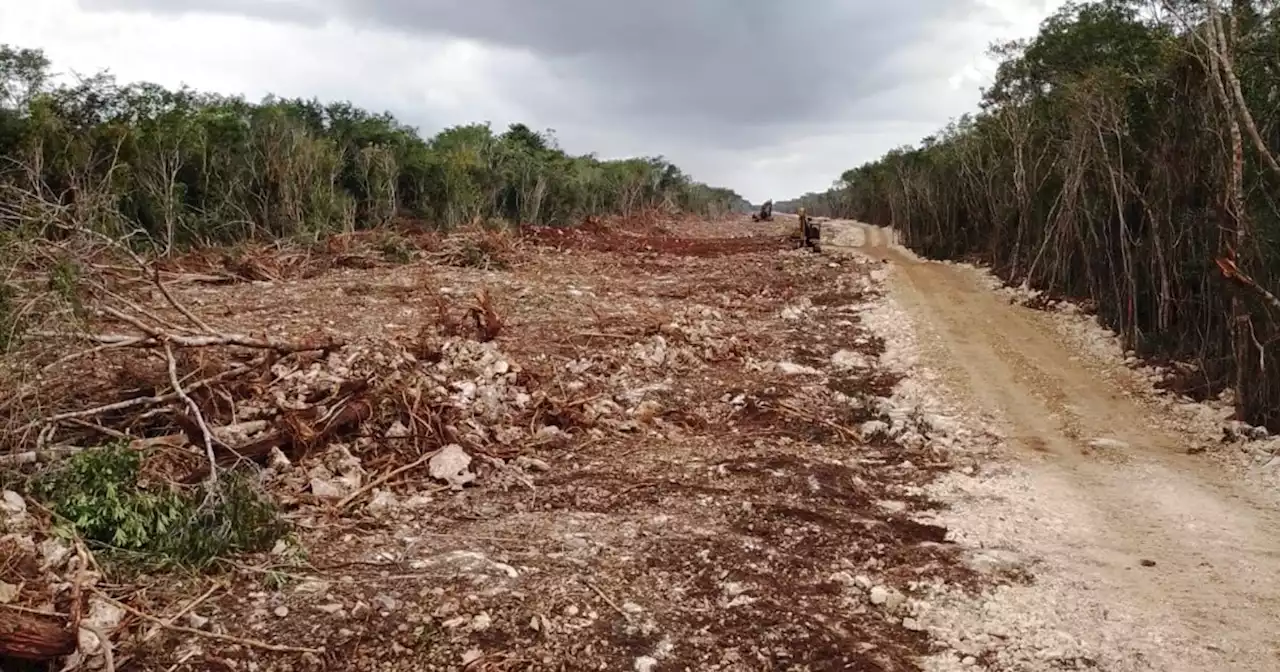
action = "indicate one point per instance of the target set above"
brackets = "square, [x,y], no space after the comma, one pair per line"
[712,67]
[705,82]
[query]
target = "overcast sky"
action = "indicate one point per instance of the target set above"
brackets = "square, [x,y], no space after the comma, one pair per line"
[769,97]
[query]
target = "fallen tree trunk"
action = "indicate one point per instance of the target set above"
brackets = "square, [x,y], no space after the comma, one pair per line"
[31,637]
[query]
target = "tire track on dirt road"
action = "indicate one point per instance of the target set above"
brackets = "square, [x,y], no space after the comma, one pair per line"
[1148,558]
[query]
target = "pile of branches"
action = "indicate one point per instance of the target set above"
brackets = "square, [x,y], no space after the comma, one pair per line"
[475,247]
[128,372]
[278,261]
[102,367]
[202,398]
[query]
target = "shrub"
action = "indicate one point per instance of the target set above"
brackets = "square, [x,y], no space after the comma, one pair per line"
[101,496]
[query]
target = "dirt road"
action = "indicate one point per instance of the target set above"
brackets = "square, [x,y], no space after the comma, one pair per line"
[1146,557]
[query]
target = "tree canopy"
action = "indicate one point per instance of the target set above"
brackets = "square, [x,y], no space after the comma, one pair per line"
[188,167]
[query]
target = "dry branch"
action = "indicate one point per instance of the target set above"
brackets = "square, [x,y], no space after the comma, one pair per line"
[108,656]
[794,412]
[200,341]
[206,435]
[155,275]
[143,401]
[293,436]
[123,343]
[210,338]
[51,454]
[1232,273]
[383,479]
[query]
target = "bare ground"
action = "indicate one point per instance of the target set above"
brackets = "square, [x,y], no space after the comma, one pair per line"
[705,451]
[686,453]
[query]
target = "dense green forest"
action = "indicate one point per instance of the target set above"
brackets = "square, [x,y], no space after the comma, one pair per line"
[1125,155]
[188,168]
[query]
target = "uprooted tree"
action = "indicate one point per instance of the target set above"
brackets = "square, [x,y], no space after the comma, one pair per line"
[1126,155]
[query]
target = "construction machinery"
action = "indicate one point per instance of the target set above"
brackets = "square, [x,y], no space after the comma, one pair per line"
[765,214]
[810,231]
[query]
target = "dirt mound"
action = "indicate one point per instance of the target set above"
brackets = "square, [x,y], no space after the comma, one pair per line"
[607,240]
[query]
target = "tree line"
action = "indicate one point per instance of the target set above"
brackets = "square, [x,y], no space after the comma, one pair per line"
[1125,155]
[189,168]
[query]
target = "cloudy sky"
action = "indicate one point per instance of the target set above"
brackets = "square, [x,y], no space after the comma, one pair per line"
[770,97]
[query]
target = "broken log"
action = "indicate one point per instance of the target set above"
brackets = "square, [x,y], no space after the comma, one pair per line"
[31,637]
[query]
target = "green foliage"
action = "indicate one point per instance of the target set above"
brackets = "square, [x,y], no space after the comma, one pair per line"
[480,253]
[396,249]
[1099,168]
[64,281]
[98,494]
[189,168]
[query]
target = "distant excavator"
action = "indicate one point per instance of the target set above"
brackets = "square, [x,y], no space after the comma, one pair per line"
[765,214]
[810,231]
